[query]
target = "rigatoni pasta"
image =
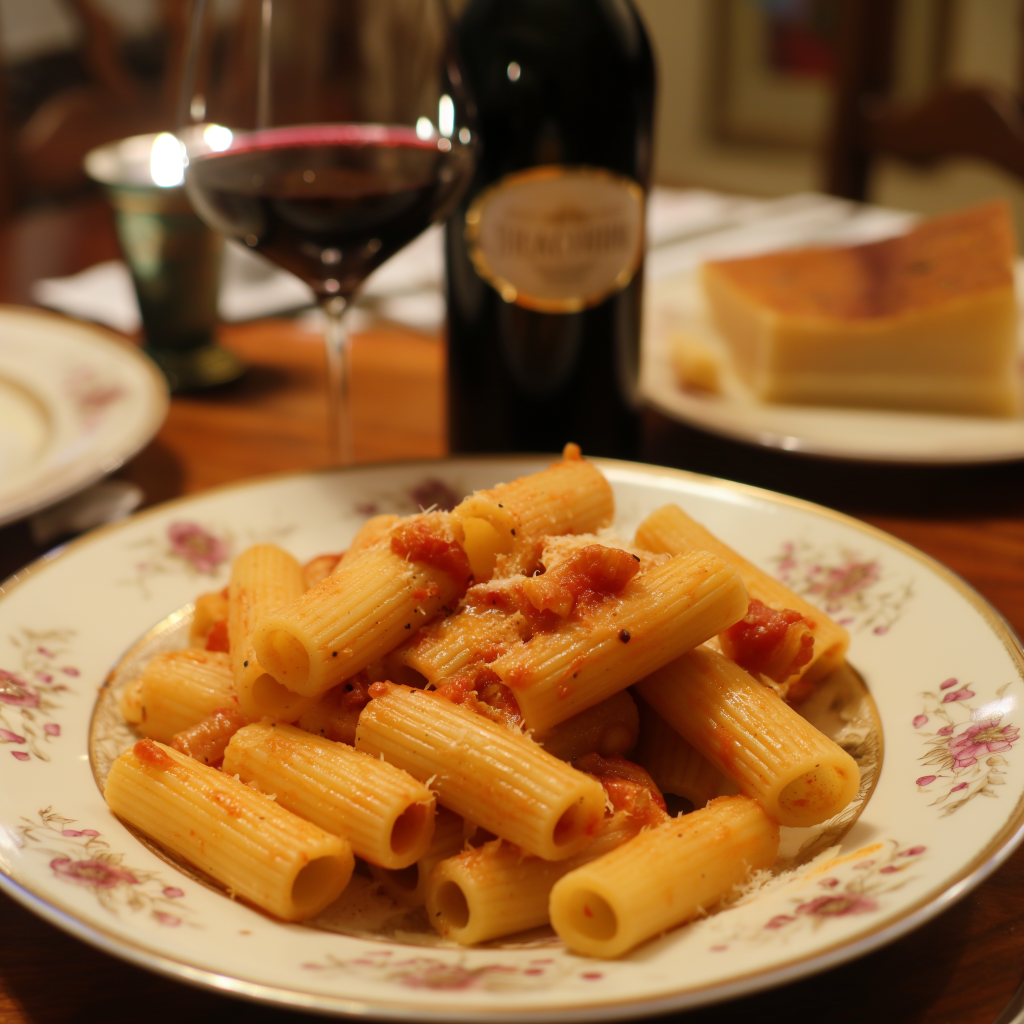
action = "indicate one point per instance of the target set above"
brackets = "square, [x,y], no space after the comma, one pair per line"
[385,814]
[264,578]
[674,763]
[748,733]
[671,530]
[366,608]
[452,700]
[479,769]
[254,847]
[663,877]
[177,690]
[659,614]
[496,890]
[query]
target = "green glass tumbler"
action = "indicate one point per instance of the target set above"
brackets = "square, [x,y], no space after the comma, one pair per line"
[174,260]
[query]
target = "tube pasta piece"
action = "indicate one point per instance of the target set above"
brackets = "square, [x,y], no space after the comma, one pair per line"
[385,813]
[608,728]
[658,615]
[675,765]
[375,532]
[447,646]
[180,688]
[408,886]
[207,740]
[505,524]
[366,608]
[258,850]
[335,714]
[498,779]
[753,737]
[663,877]
[264,579]
[672,531]
[210,609]
[495,890]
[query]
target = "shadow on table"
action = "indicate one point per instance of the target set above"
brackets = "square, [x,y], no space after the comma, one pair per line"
[855,487]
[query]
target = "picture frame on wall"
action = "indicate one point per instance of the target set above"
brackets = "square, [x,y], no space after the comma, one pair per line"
[774,60]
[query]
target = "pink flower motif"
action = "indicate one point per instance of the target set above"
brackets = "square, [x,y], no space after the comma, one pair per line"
[779,921]
[595,975]
[69,670]
[197,546]
[172,892]
[980,739]
[16,692]
[920,720]
[168,920]
[926,780]
[534,970]
[946,730]
[914,851]
[963,694]
[45,653]
[845,580]
[97,874]
[44,677]
[434,492]
[838,905]
[11,737]
[89,832]
[51,729]
[828,883]
[73,832]
[21,755]
[890,869]
[957,788]
[880,630]
[947,684]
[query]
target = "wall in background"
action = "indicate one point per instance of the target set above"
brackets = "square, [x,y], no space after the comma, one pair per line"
[983,43]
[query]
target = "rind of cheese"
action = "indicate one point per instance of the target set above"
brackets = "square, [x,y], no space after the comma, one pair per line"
[926,321]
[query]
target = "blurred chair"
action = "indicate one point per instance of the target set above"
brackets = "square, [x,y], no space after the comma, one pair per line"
[978,121]
[107,99]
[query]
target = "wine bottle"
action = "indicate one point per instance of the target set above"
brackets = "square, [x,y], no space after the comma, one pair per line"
[545,251]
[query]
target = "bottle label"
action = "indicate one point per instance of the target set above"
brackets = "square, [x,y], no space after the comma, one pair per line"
[557,239]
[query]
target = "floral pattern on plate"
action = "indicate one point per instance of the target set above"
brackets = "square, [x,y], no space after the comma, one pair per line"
[82,857]
[965,744]
[429,493]
[856,590]
[453,976]
[30,695]
[189,547]
[829,888]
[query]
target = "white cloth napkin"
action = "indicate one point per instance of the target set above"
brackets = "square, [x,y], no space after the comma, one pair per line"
[683,227]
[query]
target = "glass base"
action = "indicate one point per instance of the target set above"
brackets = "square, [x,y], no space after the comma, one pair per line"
[193,369]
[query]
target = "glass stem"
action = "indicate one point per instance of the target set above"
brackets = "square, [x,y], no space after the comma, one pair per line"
[339,366]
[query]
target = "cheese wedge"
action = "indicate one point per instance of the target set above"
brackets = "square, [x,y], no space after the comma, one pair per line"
[926,321]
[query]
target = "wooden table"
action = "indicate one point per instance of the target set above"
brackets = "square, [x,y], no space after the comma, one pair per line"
[959,969]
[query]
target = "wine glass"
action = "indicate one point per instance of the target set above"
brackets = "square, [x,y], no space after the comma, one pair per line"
[326,134]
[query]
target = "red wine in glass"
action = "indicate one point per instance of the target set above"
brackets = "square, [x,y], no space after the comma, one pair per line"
[328,202]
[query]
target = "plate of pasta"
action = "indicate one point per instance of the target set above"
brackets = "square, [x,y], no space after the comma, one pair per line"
[500,738]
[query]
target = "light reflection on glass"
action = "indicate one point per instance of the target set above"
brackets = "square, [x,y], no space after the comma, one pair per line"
[446,116]
[424,129]
[217,137]
[167,161]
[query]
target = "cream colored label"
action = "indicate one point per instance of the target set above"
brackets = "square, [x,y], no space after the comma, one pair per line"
[558,239]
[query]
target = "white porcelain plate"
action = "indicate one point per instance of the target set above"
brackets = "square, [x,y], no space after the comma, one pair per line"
[875,435]
[75,403]
[945,671]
